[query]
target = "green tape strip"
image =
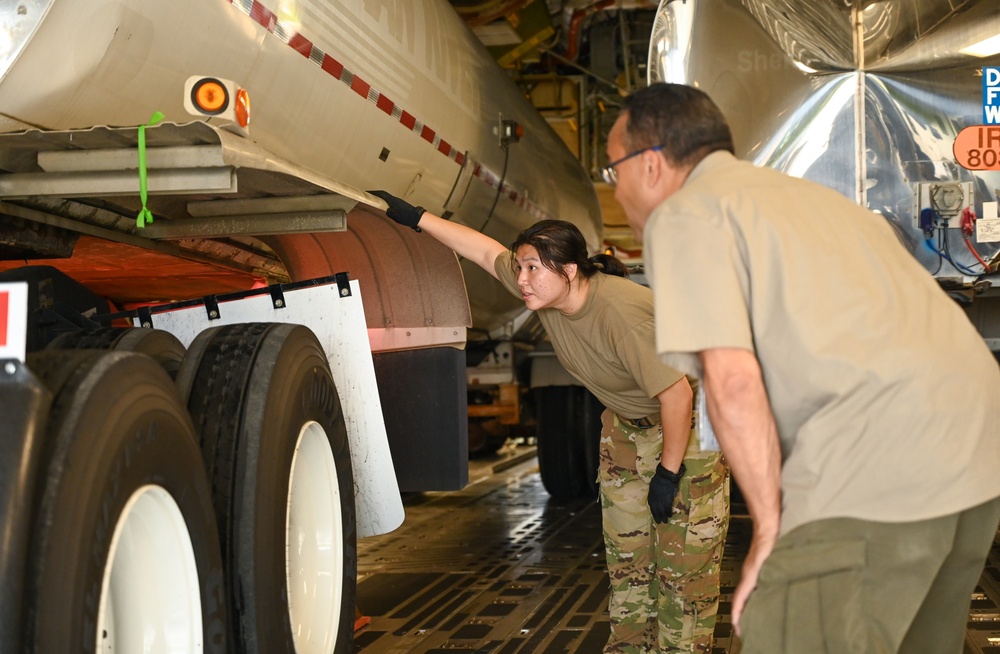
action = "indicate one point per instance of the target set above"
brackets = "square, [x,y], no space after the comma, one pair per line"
[145,215]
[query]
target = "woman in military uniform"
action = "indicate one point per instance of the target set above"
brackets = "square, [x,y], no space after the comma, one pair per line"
[665,503]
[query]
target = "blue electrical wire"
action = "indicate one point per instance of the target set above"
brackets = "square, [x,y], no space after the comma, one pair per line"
[947,257]
[928,219]
[947,251]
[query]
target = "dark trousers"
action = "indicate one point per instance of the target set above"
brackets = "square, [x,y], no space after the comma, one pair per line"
[847,586]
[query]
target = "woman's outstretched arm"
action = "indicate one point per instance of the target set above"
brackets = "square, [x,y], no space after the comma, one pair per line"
[465,241]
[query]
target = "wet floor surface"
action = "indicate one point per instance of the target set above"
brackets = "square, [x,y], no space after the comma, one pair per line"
[500,568]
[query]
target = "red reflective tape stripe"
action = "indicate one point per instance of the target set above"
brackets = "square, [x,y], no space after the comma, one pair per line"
[332,66]
[4,302]
[262,15]
[360,86]
[269,21]
[385,104]
[301,44]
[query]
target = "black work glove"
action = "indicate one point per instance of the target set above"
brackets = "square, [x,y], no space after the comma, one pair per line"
[662,490]
[401,211]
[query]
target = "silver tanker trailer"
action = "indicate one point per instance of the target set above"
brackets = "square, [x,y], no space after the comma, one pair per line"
[189,445]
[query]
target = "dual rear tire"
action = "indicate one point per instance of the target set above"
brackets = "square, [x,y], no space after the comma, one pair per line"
[215,515]
[124,539]
[276,450]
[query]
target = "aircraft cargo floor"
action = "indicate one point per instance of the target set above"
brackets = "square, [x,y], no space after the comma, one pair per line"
[500,568]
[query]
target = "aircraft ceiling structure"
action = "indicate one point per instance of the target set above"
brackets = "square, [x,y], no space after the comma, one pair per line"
[576,60]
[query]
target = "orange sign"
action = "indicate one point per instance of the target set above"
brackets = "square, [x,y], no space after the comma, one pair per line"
[977,147]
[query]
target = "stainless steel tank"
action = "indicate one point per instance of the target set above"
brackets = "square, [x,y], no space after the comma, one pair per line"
[866,97]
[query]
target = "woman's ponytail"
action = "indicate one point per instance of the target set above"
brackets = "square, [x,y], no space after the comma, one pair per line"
[609,265]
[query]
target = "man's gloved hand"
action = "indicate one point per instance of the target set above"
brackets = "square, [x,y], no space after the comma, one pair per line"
[400,211]
[662,490]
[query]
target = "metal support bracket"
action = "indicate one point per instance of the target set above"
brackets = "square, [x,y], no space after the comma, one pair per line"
[145,317]
[344,284]
[212,307]
[277,296]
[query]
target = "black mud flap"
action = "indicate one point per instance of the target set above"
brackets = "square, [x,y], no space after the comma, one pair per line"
[425,408]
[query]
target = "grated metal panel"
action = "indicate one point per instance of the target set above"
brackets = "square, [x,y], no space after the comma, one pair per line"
[501,568]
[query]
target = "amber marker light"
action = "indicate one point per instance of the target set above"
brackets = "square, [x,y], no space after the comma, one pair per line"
[210,96]
[242,108]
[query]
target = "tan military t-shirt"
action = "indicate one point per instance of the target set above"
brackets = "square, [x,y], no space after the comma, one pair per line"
[885,395]
[608,344]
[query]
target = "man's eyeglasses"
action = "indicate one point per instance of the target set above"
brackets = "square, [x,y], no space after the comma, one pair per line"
[608,172]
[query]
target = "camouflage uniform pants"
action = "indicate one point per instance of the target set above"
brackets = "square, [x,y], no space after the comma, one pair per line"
[664,577]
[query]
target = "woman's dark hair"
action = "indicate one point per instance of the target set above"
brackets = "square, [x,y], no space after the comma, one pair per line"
[681,119]
[560,243]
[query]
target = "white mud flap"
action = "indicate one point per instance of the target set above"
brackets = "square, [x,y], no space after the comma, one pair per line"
[339,324]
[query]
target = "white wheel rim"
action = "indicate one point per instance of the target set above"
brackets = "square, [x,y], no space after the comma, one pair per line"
[314,533]
[150,601]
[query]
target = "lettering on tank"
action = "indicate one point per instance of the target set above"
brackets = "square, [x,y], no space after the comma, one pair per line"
[399,16]
[446,55]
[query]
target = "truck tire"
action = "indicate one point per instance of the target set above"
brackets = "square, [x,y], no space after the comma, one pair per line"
[273,437]
[161,345]
[569,434]
[125,546]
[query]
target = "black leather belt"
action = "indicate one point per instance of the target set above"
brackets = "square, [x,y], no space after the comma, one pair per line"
[638,423]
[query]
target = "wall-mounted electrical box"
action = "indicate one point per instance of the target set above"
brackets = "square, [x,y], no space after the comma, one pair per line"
[947,200]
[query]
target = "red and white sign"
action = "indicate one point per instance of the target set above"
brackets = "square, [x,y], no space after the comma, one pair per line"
[13,320]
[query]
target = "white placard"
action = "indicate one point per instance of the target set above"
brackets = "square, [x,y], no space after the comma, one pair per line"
[13,320]
[988,227]
[987,231]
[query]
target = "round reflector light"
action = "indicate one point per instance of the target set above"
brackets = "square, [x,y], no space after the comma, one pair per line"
[210,96]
